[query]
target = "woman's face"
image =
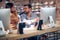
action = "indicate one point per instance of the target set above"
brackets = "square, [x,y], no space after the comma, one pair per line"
[13,9]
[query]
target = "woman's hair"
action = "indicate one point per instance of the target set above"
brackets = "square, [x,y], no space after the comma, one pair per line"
[9,5]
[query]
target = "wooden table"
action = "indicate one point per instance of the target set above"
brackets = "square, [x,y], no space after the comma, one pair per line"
[37,32]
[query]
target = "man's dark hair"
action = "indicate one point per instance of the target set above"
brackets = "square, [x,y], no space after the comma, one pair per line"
[29,5]
[9,5]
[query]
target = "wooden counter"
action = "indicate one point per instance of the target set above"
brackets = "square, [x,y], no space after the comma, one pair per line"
[37,32]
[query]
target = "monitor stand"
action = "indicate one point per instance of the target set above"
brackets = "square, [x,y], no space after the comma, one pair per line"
[51,22]
[2,30]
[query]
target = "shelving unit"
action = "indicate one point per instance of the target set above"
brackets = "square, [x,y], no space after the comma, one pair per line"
[36,7]
[18,4]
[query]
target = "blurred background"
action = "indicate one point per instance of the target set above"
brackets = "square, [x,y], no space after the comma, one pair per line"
[36,5]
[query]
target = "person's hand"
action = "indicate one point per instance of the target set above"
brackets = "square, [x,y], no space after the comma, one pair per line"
[13,27]
[37,19]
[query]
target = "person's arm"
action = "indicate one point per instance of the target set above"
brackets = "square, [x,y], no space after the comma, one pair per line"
[36,20]
[16,19]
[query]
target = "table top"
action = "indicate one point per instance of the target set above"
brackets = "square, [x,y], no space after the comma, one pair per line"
[37,32]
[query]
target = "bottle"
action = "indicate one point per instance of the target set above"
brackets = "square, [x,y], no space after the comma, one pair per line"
[40,25]
[21,26]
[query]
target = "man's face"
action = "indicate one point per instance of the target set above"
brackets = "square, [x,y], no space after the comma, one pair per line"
[27,9]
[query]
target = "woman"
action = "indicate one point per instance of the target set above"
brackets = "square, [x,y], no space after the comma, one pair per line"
[13,16]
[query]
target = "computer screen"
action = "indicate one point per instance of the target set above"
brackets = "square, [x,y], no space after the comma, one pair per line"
[5,17]
[47,11]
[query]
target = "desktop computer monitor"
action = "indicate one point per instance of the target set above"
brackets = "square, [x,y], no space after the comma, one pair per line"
[45,12]
[5,17]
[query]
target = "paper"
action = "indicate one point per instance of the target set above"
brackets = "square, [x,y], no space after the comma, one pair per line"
[28,21]
[29,30]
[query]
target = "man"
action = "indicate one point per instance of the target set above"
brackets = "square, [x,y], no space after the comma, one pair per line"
[29,18]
